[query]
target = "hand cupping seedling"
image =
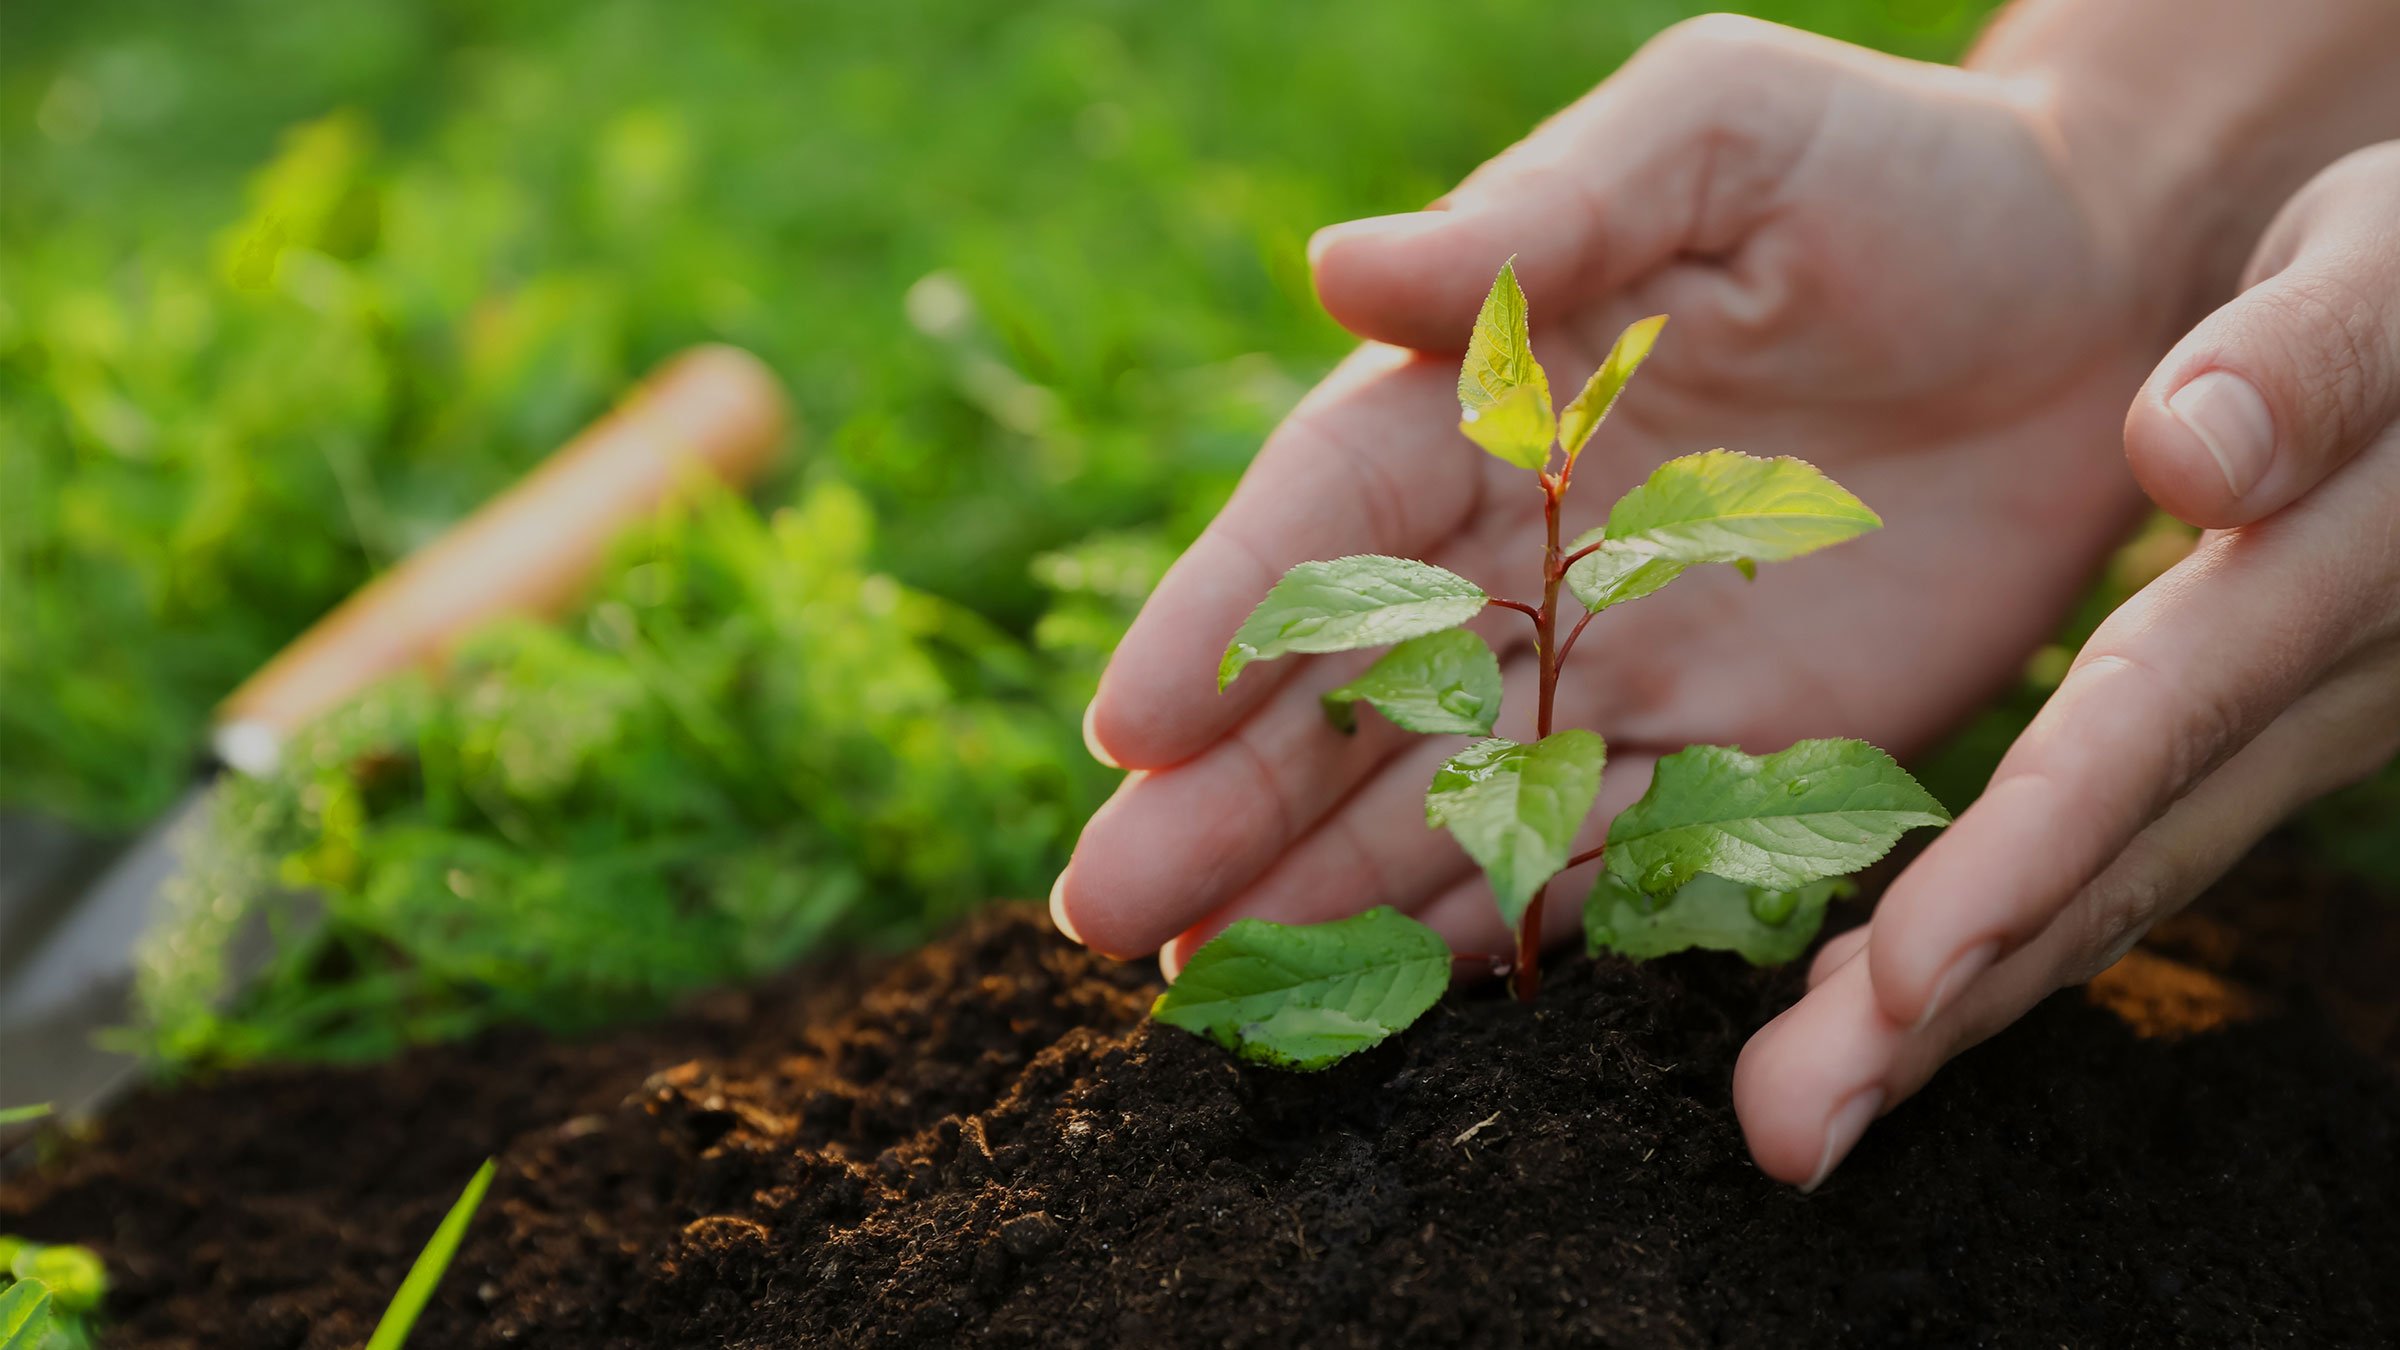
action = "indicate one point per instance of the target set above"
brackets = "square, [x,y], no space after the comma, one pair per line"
[1726,850]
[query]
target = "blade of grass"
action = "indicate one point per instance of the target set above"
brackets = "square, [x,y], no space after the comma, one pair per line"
[417,1287]
[18,1115]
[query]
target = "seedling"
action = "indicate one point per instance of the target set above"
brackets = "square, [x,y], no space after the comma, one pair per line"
[416,1287]
[49,1295]
[1725,850]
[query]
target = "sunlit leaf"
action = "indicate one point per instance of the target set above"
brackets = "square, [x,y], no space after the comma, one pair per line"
[1503,396]
[1518,428]
[1714,507]
[1348,603]
[1583,416]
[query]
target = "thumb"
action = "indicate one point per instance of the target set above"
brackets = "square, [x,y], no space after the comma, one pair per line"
[1644,167]
[2286,382]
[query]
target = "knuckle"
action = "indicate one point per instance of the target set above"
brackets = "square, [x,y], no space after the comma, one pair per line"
[2342,357]
[2369,177]
[2201,727]
[2115,911]
[1710,41]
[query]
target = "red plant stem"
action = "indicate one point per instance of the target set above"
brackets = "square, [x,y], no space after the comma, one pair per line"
[1588,855]
[1582,553]
[1527,978]
[1519,606]
[1568,646]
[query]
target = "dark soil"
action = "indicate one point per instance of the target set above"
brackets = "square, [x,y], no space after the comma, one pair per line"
[984,1145]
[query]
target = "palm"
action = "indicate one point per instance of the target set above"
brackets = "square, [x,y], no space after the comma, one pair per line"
[1968,398]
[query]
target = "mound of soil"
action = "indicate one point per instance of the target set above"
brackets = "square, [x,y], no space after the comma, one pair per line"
[984,1144]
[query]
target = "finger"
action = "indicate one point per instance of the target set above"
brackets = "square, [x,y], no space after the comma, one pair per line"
[2180,677]
[1679,152]
[1172,844]
[1373,848]
[1808,1083]
[1376,849]
[2290,379]
[1184,840]
[1838,952]
[1353,470]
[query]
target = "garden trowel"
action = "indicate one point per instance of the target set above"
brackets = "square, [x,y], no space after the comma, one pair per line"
[67,939]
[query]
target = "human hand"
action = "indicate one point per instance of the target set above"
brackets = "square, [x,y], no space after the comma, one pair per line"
[1884,267]
[2260,673]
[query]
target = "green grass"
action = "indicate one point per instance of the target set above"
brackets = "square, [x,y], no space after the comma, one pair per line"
[425,1273]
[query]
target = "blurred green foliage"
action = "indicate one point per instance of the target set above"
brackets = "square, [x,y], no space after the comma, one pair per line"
[284,290]
[289,289]
[748,745]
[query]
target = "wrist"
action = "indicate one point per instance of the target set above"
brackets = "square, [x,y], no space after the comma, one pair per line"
[2183,125]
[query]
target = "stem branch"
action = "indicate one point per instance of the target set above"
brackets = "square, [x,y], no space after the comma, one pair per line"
[1528,974]
[1572,634]
[1519,606]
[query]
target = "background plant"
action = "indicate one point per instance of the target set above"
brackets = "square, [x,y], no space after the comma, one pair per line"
[1724,850]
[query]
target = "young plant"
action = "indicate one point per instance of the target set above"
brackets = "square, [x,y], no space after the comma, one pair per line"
[49,1295]
[416,1287]
[1725,850]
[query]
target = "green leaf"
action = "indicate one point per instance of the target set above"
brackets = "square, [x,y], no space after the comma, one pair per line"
[1303,996]
[416,1288]
[24,1315]
[1441,683]
[1518,428]
[1515,808]
[1780,821]
[1348,603]
[1613,576]
[76,1279]
[1583,416]
[1501,388]
[1765,927]
[18,1115]
[1714,507]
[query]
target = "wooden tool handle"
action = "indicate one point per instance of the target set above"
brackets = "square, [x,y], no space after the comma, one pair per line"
[529,550]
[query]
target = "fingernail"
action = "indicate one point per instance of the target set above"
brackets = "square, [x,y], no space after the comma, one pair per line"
[1842,1132]
[2231,419]
[1962,972]
[1058,910]
[1385,229]
[1091,742]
